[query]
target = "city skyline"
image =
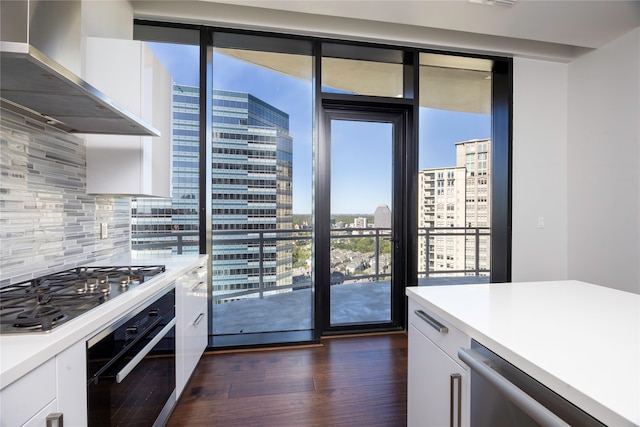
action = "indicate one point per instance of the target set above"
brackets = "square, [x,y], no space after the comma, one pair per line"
[439,129]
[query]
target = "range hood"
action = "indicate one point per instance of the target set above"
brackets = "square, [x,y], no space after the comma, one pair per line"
[33,84]
[36,85]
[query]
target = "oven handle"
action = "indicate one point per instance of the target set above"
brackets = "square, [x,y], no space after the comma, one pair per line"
[525,402]
[120,376]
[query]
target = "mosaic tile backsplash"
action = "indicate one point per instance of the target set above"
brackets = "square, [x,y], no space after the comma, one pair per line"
[47,221]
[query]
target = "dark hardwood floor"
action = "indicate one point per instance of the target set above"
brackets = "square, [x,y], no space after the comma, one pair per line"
[347,381]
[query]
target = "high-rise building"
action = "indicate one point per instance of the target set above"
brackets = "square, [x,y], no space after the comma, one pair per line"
[454,205]
[360,222]
[252,195]
[251,192]
[155,223]
[382,217]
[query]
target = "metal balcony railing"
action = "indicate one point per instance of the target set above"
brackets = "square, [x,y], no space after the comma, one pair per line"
[474,238]
[257,244]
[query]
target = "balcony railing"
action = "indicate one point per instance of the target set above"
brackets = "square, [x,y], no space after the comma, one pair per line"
[370,266]
[178,242]
[474,235]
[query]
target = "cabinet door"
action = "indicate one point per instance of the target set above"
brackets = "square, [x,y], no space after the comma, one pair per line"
[129,72]
[191,328]
[195,339]
[436,385]
[30,398]
[71,368]
[40,419]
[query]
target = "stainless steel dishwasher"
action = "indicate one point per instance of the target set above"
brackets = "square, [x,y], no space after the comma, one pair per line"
[504,396]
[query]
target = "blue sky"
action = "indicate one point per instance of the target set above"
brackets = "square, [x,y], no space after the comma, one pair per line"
[361,152]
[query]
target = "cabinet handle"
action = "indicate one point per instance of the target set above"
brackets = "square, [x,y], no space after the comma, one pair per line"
[432,322]
[54,419]
[528,404]
[453,399]
[196,287]
[198,319]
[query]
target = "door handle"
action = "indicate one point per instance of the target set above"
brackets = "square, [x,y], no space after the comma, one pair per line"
[120,376]
[528,404]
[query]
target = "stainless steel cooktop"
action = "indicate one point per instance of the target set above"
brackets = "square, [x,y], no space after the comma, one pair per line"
[44,303]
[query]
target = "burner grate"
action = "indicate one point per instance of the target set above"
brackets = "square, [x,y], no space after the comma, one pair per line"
[45,302]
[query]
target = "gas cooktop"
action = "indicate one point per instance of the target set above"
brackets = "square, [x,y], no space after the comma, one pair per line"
[41,304]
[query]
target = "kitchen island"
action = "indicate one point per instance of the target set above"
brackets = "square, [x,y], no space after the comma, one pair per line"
[50,367]
[580,340]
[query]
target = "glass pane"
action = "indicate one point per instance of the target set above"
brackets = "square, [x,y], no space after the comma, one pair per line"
[170,226]
[454,199]
[361,182]
[261,192]
[362,77]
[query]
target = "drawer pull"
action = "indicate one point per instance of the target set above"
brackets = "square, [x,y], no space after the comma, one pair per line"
[198,319]
[54,420]
[455,400]
[432,322]
[196,287]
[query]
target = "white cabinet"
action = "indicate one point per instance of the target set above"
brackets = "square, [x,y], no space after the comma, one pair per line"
[71,385]
[40,387]
[438,382]
[129,72]
[191,322]
[58,386]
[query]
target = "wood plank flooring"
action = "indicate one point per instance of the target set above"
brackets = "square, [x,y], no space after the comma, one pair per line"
[347,381]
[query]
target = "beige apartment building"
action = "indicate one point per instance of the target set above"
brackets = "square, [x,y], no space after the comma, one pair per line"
[454,213]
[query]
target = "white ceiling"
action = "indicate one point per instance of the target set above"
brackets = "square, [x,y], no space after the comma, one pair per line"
[556,30]
[581,23]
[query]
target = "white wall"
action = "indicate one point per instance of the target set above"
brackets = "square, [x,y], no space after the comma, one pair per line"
[604,165]
[112,18]
[539,170]
[576,162]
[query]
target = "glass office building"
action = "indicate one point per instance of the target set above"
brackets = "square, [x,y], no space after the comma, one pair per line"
[251,194]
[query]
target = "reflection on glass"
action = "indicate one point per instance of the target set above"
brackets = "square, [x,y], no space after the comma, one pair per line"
[361,182]
[170,226]
[358,77]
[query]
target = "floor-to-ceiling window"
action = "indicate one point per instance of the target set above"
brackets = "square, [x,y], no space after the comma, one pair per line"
[308,206]
[171,226]
[261,189]
[454,170]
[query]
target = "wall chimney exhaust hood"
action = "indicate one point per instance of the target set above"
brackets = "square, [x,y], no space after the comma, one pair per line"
[36,85]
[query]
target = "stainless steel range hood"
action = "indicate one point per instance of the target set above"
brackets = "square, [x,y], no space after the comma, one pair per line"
[34,84]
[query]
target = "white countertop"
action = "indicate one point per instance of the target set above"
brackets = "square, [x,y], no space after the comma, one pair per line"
[579,339]
[21,353]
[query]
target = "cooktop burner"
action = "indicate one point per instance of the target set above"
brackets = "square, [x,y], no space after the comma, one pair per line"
[46,302]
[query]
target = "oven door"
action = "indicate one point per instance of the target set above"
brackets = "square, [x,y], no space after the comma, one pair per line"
[131,368]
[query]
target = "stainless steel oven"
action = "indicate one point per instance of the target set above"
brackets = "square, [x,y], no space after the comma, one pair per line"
[131,378]
[504,396]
